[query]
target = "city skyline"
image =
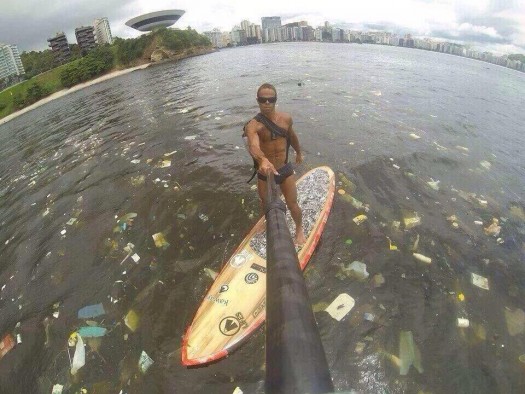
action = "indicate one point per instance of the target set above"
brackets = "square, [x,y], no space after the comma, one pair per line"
[484,25]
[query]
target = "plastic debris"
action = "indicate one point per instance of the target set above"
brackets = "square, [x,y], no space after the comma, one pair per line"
[237,391]
[422,258]
[464,149]
[71,221]
[378,280]
[391,246]
[145,362]
[414,136]
[494,229]
[359,219]
[124,221]
[411,220]
[515,321]
[57,389]
[91,311]
[463,323]
[160,241]
[190,137]
[357,270]
[369,316]
[348,241]
[408,353]
[416,244]
[135,161]
[347,183]
[203,217]
[170,153]
[480,281]
[478,222]
[340,307]
[165,163]
[433,184]
[211,273]
[92,332]
[341,191]
[79,358]
[6,344]
[522,358]
[137,180]
[132,320]
[135,258]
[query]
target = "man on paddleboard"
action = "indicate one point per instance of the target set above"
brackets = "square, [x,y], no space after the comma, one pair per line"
[270,134]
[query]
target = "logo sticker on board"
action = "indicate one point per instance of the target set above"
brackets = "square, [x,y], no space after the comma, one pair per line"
[251,278]
[259,268]
[240,259]
[224,288]
[229,326]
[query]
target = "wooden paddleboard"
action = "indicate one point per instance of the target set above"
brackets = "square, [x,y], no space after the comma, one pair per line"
[234,306]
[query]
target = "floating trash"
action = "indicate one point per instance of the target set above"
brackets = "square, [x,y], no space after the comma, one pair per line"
[411,220]
[145,362]
[408,353]
[356,269]
[433,184]
[359,219]
[422,258]
[135,258]
[378,280]
[190,137]
[160,241]
[137,180]
[124,222]
[340,307]
[211,273]
[348,241]
[360,347]
[79,358]
[463,323]
[515,321]
[135,161]
[391,246]
[347,183]
[341,191]
[132,320]
[57,389]
[92,332]
[237,391]
[6,344]
[414,136]
[480,281]
[462,148]
[170,153]
[165,163]
[71,221]
[494,229]
[203,217]
[91,311]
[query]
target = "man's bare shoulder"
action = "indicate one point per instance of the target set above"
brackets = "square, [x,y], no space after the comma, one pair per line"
[252,125]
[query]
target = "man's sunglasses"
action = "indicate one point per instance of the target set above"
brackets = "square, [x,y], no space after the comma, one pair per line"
[263,100]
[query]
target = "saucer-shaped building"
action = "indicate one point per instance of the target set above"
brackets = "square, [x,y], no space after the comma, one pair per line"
[155,20]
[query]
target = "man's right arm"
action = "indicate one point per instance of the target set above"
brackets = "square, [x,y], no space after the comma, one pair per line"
[255,150]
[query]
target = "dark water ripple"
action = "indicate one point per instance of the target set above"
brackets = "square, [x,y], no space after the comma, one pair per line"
[354,108]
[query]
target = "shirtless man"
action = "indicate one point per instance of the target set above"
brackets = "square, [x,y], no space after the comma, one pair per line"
[270,152]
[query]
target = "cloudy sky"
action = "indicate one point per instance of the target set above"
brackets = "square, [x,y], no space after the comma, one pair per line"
[494,25]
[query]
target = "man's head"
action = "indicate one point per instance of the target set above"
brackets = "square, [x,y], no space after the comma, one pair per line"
[266,97]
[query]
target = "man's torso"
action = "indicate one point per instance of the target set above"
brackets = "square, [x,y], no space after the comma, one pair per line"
[274,150]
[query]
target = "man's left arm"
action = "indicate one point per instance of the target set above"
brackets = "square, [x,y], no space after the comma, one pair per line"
[294,142]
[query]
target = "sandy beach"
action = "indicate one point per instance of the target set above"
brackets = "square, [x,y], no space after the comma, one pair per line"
[75,88]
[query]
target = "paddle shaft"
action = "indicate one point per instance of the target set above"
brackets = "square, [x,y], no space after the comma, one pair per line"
[295,358]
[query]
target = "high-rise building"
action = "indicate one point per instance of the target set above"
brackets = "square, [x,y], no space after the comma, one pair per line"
[271,22]
[10,62]
[60,47]
[215,37]
[85,38]
[102,31]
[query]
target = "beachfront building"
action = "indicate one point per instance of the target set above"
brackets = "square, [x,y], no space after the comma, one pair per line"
[11,68]
[155,20]
[215,36]
[102,31]
[85,38]
[60,48]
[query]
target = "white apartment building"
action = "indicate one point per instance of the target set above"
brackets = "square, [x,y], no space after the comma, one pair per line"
[102,31]
[10,62]
[215,37]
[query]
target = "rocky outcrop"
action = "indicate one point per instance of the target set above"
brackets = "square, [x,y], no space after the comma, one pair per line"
[159,55]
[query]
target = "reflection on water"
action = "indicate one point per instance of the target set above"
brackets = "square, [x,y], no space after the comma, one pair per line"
[427,155]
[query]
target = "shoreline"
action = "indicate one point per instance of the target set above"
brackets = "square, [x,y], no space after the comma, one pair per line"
[65,92]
